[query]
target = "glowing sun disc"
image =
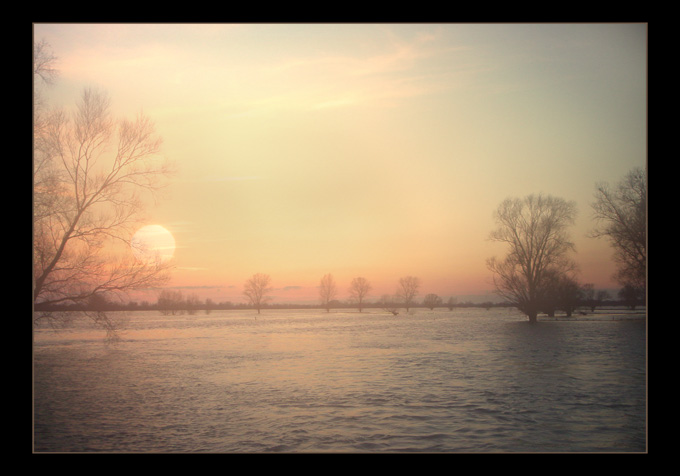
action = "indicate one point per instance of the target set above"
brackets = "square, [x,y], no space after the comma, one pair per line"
[153,242]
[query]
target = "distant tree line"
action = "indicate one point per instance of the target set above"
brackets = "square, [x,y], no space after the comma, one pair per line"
[174,302]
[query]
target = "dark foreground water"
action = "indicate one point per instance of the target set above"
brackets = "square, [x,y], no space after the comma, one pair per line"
[306,381]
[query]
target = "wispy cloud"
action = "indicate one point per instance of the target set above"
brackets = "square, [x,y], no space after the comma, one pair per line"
[288,288]
[399,69]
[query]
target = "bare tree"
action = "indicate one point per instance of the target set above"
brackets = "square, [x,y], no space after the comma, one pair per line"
[328,291]
[451,303]
[431,301]
[591,298]
[570,295]
[358,290]
[192,304]
[622,214]
[256,289]
[44,62]
[89,173]
[44,74]
[560,291]
[535,230]
[86,196]
[408,290]
[631,296]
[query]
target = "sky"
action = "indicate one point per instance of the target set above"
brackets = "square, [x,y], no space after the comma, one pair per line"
[375,150]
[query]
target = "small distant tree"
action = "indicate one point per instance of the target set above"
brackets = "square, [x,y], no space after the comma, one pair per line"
[358,291]
[193,303]
[451,303]
[170,302]
[408,290]
[588,291]
[570,295]
[431,301]
[328,291]
[560,292]
[548,298]
[256,289]
[593,298]
[631,296]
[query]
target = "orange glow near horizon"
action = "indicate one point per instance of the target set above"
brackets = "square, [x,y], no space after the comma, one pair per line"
[365,150]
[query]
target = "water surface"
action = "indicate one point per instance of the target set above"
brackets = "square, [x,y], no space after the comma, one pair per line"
[467,380]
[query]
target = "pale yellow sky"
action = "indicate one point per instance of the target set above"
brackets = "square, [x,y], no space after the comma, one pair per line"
[375,150]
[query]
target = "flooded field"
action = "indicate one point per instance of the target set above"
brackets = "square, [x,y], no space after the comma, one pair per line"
[468,380]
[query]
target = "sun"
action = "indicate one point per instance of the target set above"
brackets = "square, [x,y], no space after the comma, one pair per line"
[153,242]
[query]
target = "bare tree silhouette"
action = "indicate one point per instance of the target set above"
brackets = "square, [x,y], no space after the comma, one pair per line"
[431,301]
[592,298]
[328,291]
[170,302]
[358,290]
[560,291]
[622,215]
[256,289]
[535,230]
[408,290]
[88,174]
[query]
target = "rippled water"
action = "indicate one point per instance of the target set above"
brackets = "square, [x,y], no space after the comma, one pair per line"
[469,380]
